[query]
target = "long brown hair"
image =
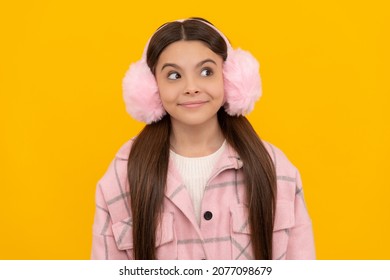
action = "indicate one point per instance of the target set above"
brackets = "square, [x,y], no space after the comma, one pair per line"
[149,156]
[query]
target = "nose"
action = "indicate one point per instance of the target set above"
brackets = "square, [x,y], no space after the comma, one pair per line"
[191,87]
[191,91]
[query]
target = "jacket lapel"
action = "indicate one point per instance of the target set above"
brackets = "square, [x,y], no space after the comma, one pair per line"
[177,193]
[228,160]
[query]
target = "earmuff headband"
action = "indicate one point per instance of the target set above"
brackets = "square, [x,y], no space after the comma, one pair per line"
[242,85]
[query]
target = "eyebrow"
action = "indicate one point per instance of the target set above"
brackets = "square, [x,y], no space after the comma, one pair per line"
[197,65]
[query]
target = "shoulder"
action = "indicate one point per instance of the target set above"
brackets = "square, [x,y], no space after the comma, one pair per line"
[287,175]
[113,183]
[124,150]
[283,165]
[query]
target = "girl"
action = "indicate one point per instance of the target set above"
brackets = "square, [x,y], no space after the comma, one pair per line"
[197,182]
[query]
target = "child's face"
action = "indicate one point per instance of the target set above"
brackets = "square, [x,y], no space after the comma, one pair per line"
[190,81]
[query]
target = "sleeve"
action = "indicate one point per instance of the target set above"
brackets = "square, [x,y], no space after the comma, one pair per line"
[301,240]
[103,243]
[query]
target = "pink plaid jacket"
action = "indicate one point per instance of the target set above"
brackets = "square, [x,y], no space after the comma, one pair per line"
[223,232]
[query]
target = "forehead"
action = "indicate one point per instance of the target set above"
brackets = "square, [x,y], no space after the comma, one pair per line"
[187,52]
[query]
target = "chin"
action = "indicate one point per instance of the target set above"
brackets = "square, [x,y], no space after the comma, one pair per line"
[195,120]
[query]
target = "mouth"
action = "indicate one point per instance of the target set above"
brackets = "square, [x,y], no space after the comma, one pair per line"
[193,104]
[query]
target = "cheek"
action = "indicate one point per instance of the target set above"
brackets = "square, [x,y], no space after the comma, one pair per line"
[217,89]
[167,92]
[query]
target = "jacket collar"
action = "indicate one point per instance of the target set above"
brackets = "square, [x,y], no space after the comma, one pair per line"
[176,191]
[229,159]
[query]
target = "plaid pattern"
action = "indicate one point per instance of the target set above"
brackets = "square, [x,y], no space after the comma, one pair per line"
[224,236]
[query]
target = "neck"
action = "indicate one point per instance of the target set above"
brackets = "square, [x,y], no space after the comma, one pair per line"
[196,141]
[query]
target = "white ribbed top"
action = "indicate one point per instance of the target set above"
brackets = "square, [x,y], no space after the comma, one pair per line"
[195,172]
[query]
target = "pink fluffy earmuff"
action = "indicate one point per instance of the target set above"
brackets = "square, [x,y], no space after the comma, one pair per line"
[242,85]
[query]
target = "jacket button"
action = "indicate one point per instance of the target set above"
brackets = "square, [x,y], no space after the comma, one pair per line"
[207,215]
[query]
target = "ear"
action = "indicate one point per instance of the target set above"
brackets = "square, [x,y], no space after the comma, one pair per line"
[140,93]
[242,82]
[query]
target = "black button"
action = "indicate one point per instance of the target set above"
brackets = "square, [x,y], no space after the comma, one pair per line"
[208,215]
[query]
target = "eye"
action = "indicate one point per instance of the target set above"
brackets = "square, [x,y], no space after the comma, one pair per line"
[173,76]
[206,72]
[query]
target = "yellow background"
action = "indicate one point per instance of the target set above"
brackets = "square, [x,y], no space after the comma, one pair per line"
[325,71]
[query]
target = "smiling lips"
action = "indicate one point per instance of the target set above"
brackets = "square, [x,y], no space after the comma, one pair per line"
[192,104]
